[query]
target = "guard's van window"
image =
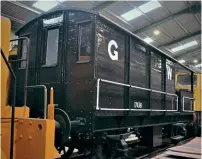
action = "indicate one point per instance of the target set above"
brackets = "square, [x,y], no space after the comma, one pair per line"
[84,42]
[52,47]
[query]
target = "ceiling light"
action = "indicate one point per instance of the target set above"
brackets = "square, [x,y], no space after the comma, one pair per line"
[199,65]
[45,5]
[131,14]
[148,40]
[149,6]
[181,61]
[156,32]
[187,45]
[195,61]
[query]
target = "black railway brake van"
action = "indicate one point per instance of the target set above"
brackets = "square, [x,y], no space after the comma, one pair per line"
[108,83]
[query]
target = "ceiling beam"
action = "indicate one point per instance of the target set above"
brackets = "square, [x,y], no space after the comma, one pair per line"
[192,9]
[188,52]
[189,5]
[181,39]
[102,6]
[197,18]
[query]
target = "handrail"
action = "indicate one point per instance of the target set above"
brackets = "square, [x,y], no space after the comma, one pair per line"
[184,97]
[27,66]
[18,60]
[14,92]
[45,97]
[136,87]
[12,105]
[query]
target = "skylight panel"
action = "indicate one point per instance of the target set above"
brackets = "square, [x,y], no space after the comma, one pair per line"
[145,8]
[185,46]
[177,48]
[190,44]
[132,14]
[45,5]
[148,40]
[149,6]
[61,0]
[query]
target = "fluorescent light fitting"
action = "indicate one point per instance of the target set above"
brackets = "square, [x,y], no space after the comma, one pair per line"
[195,61]
[182,47]
[45,5]
[199,65]
[181,61]
[132,14]
[148,40]
[156,32]
[149,6]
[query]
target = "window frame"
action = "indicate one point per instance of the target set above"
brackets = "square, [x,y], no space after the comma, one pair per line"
[21,49]
[46,30]
[159,58]
[187,74]
[79,25]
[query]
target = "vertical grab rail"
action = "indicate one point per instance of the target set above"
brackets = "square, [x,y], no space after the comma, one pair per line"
[27,66]
[14,91]
[191,99]
[12,105]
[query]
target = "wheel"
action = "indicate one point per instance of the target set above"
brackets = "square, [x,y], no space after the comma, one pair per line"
[63,128]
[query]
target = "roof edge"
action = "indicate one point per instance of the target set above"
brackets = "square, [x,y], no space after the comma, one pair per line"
[96,13]
[50,12]
[134,35]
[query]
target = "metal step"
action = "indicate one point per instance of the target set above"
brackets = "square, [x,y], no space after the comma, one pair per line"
[177,138]
[179,124]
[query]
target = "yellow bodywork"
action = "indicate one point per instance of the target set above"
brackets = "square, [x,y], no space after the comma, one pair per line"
[6,127]
[197,89]
[33,138]
[197,93]
[5,44]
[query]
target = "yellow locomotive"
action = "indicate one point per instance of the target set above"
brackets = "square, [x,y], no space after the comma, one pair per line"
[20,134]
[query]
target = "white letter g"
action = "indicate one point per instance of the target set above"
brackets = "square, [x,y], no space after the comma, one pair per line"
[113,56]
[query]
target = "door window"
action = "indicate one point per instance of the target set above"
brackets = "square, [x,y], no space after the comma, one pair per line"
[51,56]
[84,42]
